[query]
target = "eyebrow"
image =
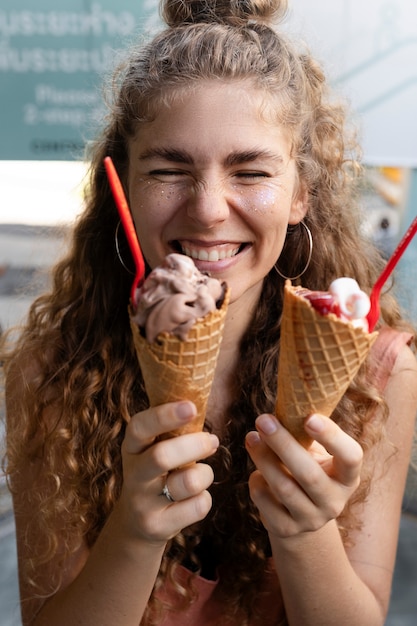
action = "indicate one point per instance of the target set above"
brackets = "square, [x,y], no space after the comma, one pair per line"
[238,158]
[168,154]
[234,158]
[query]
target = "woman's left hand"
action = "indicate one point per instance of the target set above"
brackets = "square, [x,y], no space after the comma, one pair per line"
[298,490]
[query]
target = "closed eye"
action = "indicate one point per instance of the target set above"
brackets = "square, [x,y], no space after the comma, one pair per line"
[252,175]
[167,174]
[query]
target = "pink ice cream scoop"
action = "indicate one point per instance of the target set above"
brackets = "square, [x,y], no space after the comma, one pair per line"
[173,296]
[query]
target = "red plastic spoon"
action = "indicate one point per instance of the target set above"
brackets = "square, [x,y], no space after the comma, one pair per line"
[128,225]
[373,314]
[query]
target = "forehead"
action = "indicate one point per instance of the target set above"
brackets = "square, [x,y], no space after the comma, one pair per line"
[223,109]
[246,91]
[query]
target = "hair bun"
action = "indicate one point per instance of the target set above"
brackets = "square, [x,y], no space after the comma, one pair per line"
[235,12]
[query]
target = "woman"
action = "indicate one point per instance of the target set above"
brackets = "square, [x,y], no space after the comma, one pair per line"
[229,150]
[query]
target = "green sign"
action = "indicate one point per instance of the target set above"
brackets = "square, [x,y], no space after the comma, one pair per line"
[53,58]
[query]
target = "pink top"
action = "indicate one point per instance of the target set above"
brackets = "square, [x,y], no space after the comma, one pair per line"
[207,610]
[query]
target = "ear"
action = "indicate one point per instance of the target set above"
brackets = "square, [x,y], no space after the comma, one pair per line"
[299,206]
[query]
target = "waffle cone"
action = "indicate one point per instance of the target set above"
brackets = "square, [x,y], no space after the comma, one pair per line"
[319,357]
[174,369]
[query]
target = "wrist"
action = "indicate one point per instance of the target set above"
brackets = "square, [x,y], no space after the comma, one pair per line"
[302,542]
[117,533]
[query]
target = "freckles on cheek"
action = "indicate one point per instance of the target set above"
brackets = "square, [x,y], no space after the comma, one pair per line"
[262,202]
[159,200]
[268,200]
[258,202]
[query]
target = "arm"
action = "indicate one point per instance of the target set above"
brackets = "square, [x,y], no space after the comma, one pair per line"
[111,583]
[299,499]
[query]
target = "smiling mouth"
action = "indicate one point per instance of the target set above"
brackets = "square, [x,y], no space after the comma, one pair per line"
[212,254]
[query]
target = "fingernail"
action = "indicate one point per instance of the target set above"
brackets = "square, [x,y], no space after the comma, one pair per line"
[214,440]
[253,439]
[267,424]
[185,411]
[315,423]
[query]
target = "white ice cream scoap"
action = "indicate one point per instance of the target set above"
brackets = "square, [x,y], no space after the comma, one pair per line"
[353,302]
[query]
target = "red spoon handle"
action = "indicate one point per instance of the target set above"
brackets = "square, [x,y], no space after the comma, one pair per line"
[128,225]
[397,254]
[373,314]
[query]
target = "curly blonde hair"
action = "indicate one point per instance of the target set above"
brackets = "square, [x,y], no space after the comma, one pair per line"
[75,352]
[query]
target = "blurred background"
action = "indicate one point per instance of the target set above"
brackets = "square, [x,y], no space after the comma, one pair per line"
[53,58]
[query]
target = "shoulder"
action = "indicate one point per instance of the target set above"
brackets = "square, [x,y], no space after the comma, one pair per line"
[393,371]
[29,407]
[401,397]
[405,361]
[26,368]
[403,371]
[388,355]
[22,375]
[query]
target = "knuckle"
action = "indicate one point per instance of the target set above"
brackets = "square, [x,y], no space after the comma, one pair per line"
[334,512]
[256,485]
[356,456]
[284,489]
[208,474]
[161,414]
[313,476]
[142,427]
[314,524]
[287,531]
[160,457]
[134,427]
[149,524]
[202,505]
[206,446]
[334,509]
[198,478]
[353,465]
[191,481]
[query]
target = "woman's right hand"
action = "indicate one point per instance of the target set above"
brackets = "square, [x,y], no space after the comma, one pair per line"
[150,463]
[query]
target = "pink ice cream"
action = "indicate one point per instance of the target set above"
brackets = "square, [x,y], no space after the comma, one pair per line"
[173,296]
[344,299]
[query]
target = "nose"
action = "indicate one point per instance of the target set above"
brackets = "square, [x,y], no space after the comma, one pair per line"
[208,204]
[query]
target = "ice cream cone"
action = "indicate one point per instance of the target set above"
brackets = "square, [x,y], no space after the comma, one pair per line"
[174,369]
[319,357]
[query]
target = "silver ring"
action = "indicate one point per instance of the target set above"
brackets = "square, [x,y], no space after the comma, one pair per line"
[166,492]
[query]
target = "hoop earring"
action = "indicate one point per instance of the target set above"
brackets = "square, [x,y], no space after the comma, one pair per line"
[117,246]
[310,253]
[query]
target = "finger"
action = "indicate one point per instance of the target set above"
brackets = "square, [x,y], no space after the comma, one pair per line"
[164,522]
[275,516]
[343,465]
[170,454]
[183,514]
[309,477]
[189,482]
[306,495]
[282,444]
[347,454]
[281,483]
[145,426]
[260,453]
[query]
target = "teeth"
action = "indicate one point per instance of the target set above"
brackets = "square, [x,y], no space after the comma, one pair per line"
[213,255]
